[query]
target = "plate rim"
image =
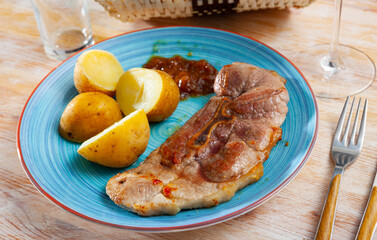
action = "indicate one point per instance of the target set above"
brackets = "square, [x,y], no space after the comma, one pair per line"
[187,226]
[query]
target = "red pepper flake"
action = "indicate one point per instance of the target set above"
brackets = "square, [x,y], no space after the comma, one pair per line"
[156,181]
[167,191]
[286,143]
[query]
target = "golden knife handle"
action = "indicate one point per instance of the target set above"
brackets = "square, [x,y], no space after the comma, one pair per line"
[370,218]
[328,214]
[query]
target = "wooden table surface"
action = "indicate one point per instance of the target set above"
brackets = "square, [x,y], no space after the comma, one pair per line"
[291,214]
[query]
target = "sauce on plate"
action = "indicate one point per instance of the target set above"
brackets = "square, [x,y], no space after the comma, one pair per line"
[192,77]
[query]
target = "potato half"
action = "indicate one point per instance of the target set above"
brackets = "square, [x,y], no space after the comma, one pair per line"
[88,114]
[97,71]
[121,144]
[152,90]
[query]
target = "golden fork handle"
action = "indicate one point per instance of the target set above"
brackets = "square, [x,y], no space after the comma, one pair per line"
[370,218]
[328,214]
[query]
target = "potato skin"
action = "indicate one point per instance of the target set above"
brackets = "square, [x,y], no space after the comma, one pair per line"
[83,84]
[121,146]
[88,114]
[168,101]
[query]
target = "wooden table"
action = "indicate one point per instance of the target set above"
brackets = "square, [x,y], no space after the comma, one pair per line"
[292,214]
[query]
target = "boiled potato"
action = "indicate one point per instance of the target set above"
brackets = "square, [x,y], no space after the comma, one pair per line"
[152,90]
[119,145]
[88,114]
[97,71]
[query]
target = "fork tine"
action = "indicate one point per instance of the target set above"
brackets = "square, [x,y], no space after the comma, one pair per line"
[360,139]
[353,134]
[345,135]
[341,121]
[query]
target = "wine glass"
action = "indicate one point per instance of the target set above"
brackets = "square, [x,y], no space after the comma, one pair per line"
[334,70]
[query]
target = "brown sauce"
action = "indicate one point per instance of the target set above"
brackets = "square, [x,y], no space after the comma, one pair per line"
[192,77]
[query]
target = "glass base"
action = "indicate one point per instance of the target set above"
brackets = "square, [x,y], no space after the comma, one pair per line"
[66,43]
[352,73]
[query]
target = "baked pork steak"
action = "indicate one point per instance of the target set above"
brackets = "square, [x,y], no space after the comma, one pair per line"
[218,151]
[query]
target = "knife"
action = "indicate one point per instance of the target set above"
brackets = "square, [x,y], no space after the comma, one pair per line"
[369,221]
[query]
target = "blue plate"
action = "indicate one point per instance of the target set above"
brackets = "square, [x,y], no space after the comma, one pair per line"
[78,186]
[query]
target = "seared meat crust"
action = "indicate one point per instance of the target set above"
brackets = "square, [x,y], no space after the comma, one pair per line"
[218,151]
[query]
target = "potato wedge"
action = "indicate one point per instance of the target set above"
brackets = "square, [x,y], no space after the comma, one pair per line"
[121,144]
[97,71]
[87,115]
[152,90]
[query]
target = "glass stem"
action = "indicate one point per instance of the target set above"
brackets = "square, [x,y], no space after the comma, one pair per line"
[333,56]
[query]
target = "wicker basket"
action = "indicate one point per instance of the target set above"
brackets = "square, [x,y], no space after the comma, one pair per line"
[129,10]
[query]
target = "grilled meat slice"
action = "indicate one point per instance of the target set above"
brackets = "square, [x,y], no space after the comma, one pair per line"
[218,151]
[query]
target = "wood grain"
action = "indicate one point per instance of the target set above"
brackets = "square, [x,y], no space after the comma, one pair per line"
[324,231]
[291,214]
[369,222]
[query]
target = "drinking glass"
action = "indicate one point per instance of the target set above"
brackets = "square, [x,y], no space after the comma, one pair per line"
[64,26]
[334,70]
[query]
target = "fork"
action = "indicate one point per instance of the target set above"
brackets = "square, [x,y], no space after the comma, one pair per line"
[344,151]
